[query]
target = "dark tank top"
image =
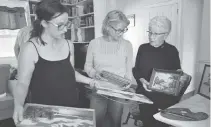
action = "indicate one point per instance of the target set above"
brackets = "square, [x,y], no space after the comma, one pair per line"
[53,83]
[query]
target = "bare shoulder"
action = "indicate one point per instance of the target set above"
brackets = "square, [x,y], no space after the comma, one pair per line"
[29,47]
[29,51]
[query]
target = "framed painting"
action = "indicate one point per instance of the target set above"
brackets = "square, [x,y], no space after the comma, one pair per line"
[38,115]
[204,86]
[166,81]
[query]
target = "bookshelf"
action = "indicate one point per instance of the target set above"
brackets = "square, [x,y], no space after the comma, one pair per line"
[81,14]
[32,5]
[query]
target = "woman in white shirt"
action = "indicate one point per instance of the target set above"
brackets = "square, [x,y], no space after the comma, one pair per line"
[111,53]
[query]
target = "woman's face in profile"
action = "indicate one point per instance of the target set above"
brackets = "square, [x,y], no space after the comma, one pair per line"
[156,36]
[58,26]
[117,29]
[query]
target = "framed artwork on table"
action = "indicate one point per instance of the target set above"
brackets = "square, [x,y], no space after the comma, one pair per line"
[165,81]
[204,86]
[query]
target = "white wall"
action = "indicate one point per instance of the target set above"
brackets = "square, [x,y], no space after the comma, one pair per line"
[191,15]
[203,54]
[101,8]
[204,47]
[191,31]
[99,15]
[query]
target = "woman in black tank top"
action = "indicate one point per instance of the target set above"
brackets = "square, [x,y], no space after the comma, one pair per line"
[45,65]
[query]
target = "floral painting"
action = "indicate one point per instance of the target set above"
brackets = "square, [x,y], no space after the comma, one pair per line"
[165,81]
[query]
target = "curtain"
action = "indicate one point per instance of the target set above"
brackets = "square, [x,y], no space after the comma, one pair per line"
[12,18]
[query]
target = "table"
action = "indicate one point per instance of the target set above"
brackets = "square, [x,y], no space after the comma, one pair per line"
[196,103]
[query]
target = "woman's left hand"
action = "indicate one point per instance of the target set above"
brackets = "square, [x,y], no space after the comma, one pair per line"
[184,76]
[94,84]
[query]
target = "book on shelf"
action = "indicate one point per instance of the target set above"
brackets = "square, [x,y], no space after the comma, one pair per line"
[33,8]
[69,11]
[80,10]
[82,23]
[38,115]
[74,11]
[89,20]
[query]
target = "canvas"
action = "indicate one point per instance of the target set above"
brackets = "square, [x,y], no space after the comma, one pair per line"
[123,95]
[38,115]
[204,87]
[165,81]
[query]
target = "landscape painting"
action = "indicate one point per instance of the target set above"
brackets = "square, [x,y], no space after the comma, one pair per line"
[165,81]
[37,115]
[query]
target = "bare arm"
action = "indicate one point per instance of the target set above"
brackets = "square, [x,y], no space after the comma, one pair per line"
[17,44]
[79,77]
[129,61]
[88,67]
[26,64]
[16,49]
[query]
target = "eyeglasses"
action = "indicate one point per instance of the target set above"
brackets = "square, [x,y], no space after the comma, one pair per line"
[156,34]
[62,26]
[119,30]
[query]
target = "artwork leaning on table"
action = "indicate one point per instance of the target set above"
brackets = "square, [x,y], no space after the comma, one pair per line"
[38,115]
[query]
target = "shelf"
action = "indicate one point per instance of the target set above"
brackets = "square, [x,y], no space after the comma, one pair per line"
[36,1]
[32,14]
[80,42]
[74,3]
[86,27]
[92,13]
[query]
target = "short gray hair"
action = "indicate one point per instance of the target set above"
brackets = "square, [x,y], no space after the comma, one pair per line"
[162,22]
[113,16]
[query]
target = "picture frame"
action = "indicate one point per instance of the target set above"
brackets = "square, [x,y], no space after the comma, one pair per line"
[204,86]
[140,98]
[39,115]
[131,18]
[165,81]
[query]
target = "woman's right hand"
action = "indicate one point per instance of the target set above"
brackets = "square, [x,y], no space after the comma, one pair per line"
[18,114]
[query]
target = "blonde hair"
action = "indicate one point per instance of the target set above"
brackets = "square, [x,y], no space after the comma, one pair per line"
[113,16]
[161,22]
